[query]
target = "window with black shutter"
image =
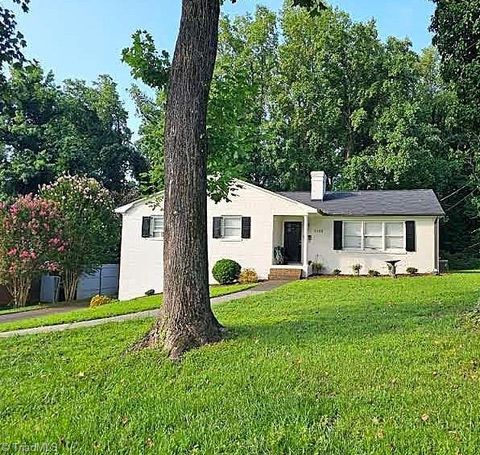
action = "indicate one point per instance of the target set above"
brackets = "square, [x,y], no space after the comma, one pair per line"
[246,227]
[337,235]
[217,227]
[410,236]
[146,223]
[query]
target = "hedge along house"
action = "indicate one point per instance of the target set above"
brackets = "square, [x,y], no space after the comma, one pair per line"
[281,234]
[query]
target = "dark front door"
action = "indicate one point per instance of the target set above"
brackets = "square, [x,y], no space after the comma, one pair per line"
[292,241]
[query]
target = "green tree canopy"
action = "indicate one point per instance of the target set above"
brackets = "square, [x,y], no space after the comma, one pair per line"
[46,130]
[328,95]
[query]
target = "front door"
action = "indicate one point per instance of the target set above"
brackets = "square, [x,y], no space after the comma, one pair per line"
[292,241]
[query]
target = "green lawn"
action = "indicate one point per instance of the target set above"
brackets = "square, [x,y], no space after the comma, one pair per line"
[333,366]
[115,308]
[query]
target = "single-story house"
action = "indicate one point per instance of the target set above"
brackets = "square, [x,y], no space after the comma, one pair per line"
[283,233]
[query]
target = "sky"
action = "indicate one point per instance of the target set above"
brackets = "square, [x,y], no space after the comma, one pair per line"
[84,38]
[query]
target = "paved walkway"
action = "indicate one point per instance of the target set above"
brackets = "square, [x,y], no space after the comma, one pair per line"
[257,290]
[10,317]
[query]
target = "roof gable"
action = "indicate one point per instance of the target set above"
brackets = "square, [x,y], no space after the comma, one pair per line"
[238,184]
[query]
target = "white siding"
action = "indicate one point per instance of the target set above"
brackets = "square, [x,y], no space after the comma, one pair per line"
[257,251]
[320,247]
[141,258]
[141,261]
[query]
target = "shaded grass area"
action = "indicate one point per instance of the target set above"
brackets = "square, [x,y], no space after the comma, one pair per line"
[318,366]
[115,308]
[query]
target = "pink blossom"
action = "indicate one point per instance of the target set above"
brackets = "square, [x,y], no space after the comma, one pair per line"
[24,254]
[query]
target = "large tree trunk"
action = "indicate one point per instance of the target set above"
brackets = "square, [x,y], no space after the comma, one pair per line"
[187,319]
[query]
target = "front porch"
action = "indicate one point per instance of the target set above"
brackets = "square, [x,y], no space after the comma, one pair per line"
[290,243]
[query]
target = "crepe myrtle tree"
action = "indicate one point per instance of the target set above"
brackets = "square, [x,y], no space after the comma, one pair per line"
[32,243]
[186,320]
[90,226]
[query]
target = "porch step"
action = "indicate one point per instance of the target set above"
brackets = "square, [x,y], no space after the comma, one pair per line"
[285,274]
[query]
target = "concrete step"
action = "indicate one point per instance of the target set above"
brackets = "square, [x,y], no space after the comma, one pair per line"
[286,274]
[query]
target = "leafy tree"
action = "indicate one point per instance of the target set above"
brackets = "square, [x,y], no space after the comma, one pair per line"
[31,109]
[151,136]
[32,243]
[99,140]
[12,41]
[456,28]
[240,97]
[90,227]
[331,95]
[327,88]
[46,130]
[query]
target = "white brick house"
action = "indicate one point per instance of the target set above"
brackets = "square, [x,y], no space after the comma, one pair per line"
[337,229]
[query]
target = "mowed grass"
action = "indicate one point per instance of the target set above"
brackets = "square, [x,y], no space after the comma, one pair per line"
[331,366]
[115,308]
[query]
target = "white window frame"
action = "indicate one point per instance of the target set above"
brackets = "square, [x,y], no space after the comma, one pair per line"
[157,233]
[384,248]
[344,236]
[403,236]
[232,238]
[381,236]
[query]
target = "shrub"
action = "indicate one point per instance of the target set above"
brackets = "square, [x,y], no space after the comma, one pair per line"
[317,267]
[373,273]
[98,300]
[461,261]
[32,243]
[412,270]
[248,276]
[150,292]
[356,268]
[336,272]
[226,271]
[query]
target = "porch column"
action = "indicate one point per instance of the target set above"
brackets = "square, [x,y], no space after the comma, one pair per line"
[305,245]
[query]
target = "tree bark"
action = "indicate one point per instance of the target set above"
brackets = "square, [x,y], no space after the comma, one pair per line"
[19,289]
[187,319]
[70,282]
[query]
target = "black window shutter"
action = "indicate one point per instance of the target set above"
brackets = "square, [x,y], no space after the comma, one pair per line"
[217,227]
[146,222]
[410,240]
[246,227]
[338,235]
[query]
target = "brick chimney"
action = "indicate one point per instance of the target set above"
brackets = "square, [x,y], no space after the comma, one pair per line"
[318,185]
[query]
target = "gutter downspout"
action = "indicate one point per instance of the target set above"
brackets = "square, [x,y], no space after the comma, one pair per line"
[437,243]
[305,245]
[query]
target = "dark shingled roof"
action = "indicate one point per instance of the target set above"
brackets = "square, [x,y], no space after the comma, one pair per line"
[390,202]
